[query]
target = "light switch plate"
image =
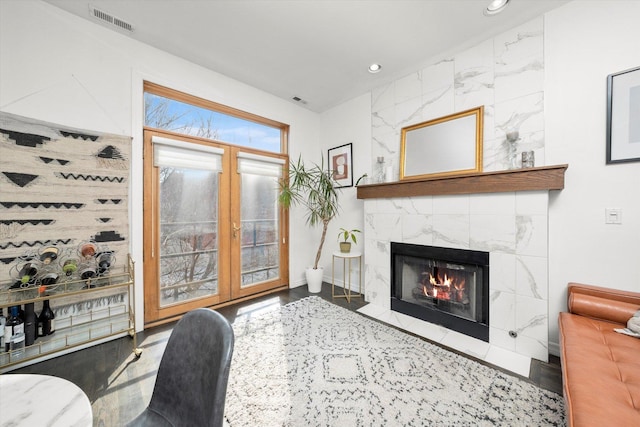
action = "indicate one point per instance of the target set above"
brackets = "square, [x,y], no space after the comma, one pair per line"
[613,216]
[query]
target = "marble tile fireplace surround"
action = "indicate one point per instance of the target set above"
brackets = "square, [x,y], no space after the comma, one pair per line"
[511,226]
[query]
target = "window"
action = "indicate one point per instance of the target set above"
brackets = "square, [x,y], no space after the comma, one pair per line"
[170,110]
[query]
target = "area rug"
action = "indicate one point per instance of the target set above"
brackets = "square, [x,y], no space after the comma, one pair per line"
[312,363]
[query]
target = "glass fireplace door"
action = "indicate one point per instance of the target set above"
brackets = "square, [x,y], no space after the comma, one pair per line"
[445,286]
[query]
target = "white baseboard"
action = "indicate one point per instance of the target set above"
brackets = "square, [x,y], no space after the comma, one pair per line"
[297,283]
[341,283]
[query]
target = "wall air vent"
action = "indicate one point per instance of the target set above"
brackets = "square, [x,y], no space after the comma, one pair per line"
[107,18]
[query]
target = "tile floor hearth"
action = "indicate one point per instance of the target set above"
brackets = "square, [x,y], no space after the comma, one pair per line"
[484,351]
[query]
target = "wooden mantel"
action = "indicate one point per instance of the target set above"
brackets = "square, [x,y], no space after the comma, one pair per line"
[530,179]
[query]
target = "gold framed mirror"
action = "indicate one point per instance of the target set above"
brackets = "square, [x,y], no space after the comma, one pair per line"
[449,145]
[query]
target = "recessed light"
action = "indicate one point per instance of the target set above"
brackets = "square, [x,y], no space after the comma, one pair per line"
[375,68]
[495,7]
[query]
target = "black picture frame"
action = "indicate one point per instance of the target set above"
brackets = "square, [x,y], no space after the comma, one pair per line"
[623,116]
[340,164]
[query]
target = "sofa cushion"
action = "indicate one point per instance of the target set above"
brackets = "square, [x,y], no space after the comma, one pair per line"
[601,372]
[601,308]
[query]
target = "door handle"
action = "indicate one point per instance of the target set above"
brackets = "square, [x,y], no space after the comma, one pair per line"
[235,230]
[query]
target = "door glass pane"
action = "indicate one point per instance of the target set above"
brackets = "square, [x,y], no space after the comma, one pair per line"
[260,249]
[188,234]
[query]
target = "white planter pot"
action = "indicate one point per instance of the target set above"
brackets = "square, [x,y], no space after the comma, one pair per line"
[314,279]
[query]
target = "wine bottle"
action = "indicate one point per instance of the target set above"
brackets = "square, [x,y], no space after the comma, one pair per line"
[49,254]
[88,269]
[70,266]
[14,333]
[7,331]
[104,260]
[88,250]
[27,274]
[30,324]
[46,320]
[2,323]
[49,278]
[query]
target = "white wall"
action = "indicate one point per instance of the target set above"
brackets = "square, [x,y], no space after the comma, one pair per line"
[62,69]
[349,122]
[584,42]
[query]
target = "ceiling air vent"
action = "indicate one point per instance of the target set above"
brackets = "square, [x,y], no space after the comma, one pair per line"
[110,19]
[300,100]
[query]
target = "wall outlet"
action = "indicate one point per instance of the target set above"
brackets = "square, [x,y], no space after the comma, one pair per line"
[613,216]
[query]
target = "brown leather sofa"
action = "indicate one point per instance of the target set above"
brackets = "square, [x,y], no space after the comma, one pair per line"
[600,367]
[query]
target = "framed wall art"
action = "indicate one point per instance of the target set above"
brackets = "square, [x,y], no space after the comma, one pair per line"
[341,165]
[623,116]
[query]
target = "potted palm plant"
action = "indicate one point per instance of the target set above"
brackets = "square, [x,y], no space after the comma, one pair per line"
[346,235]
[311,187]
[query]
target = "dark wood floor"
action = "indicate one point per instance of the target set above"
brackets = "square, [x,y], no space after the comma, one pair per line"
[119,385]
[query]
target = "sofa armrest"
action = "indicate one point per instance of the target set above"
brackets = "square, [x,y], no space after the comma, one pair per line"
[602,303]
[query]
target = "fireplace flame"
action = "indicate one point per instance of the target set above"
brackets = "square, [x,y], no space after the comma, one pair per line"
[447,287]
[446,282]
[458,283]
[433,293]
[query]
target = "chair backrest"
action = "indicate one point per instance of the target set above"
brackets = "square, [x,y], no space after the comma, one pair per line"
[191,384]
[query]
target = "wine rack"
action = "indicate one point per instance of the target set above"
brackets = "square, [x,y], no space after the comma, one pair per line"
[80,330]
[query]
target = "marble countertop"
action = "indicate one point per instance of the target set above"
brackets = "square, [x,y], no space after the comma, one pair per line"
[38,400]
[351,254]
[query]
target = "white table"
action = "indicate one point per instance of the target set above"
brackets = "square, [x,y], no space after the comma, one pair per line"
[346,283]
[39,400]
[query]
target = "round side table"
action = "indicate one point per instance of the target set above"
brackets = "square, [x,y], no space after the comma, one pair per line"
[346,274]
[38,400]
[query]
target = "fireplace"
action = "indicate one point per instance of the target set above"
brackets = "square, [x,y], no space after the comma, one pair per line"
[445,286]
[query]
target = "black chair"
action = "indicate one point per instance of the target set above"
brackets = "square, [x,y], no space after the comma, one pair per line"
[191,383]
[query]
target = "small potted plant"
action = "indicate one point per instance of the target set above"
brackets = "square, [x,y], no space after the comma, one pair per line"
[346,235]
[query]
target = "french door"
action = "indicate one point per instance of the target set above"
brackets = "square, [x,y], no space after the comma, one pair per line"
[213,229]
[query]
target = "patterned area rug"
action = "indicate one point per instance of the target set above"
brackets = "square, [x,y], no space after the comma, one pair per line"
[312,363]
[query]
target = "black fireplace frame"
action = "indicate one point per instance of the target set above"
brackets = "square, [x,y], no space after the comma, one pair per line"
[477,329]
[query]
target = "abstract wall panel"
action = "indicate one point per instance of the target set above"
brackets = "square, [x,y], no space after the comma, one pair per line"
[60,185]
